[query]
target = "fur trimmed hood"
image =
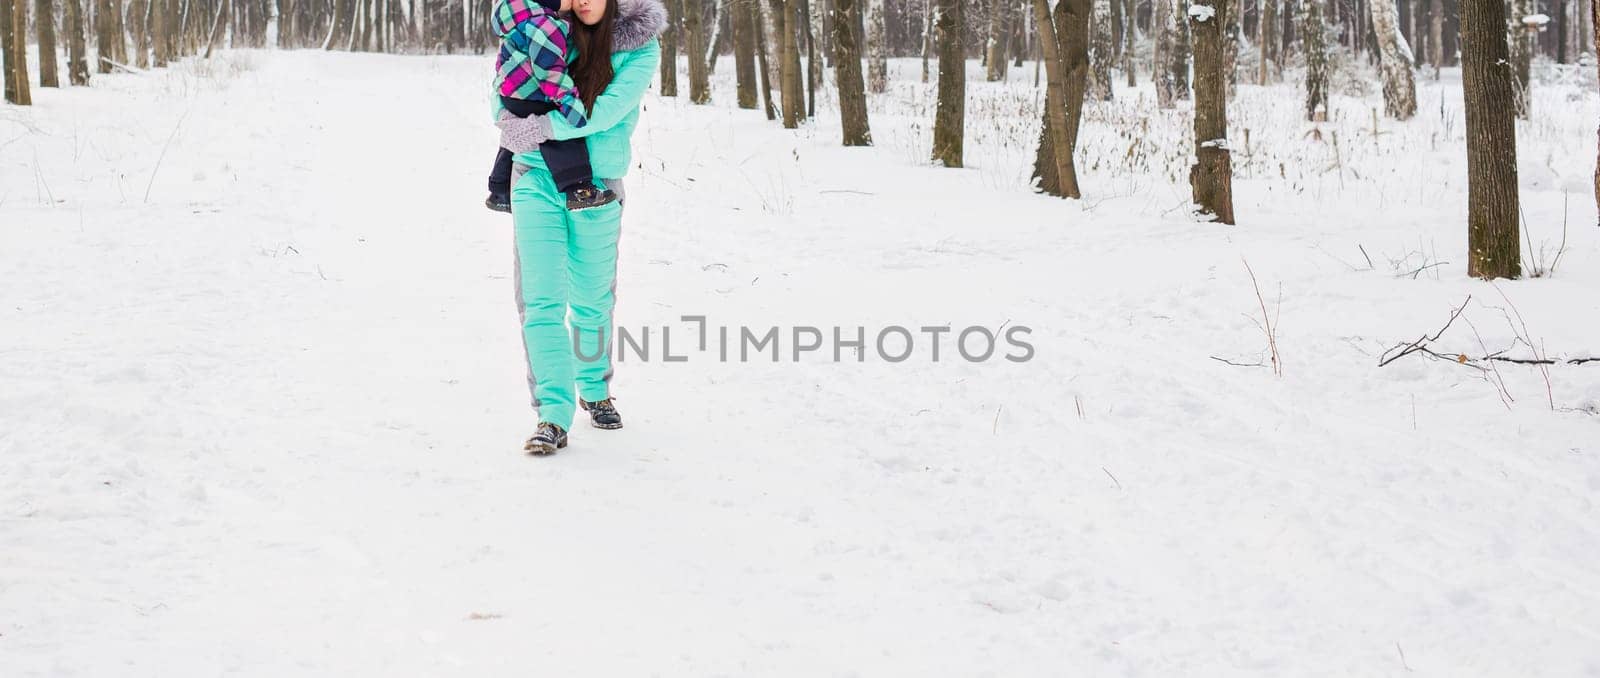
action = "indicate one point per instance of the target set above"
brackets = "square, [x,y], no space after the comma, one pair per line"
[637,22]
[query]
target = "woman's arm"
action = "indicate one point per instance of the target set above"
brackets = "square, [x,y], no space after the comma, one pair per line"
[621,97]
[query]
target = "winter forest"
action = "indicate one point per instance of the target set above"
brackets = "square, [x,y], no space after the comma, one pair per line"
[1004,337]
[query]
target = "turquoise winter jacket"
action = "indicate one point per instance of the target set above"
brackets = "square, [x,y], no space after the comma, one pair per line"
[635,57]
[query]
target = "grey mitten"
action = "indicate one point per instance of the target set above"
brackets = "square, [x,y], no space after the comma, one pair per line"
[523,135]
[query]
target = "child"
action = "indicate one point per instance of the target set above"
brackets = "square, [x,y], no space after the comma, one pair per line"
[531,78]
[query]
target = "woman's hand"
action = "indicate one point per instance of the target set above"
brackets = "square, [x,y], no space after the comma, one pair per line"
[523,135]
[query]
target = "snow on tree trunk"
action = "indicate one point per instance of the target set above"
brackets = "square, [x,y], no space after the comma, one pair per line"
[1211,177]
[1101,51]
[949,119]
[847,74]
[1489,91]
[1399,90]
[877,48]
[1314,42]
[1594,25]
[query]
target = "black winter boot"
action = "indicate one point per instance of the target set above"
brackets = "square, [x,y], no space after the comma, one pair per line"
[546,440]
[588,196]
[602,413]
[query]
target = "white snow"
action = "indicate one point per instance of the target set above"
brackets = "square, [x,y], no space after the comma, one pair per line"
[267,421]
[1202,13]
[1536,20]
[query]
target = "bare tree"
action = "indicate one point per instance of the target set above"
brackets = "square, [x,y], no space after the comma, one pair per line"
[14,47]
[1521,41]
[669,48]
[1267,38]
[999,39]
[877,48]
[1489,89]
[1166,37]
[1313,40]
[1399,90]
[786,14]
[1101,51]
[45,21]
[762,62]
[949,118]
[77,50]
[1130,30]
[1064,43]
[694,45]
[1180,50]
[1211,177]
[1436,36]
[847,73]
[742,14]
[1594,25]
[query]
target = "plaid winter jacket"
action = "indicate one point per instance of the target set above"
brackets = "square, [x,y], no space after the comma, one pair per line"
[534,53]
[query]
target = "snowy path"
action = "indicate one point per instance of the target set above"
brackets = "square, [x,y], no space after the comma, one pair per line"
[267,422]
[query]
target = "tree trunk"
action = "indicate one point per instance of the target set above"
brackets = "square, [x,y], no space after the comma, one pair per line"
[999,39]
[1180,50]
[160,33]
[1230,45]
[45,21]
[742,16]
[950,114]
[694,45]
[1436,36]
[1594,26]
[789,62]
[1489,88]
[14,51]
[77,49]
[1211,177]
[927,36]
[847,74]
[216,25]
[670,37]
[811,23]
[1130,31]
[139,35]
[1101,51]
[1161,74]
[1066,62]
[1267,36]
[762,63]
[1313,41]
[1521,42]
[877,48]
[1399,90]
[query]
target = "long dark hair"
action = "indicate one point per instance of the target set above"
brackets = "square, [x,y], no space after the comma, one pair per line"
[592,71]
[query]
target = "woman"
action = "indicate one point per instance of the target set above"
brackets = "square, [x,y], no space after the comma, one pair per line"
[568,259]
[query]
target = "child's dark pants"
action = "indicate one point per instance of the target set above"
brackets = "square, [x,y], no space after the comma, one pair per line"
[568,159]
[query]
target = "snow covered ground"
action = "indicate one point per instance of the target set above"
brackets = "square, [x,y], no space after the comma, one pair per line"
[261,400]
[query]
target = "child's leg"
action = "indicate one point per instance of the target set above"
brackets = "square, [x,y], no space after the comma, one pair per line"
[569,163]
[500,176]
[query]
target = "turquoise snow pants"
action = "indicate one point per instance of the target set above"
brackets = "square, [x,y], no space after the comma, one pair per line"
[564,260]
